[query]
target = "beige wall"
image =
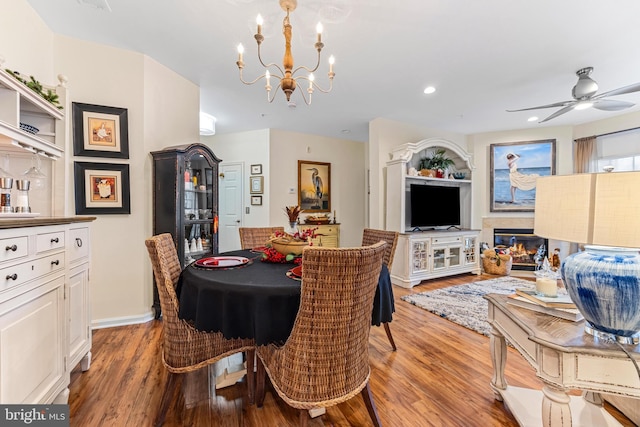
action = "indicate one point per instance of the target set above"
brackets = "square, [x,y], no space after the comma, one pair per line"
[279,151]
[162,110]
[347,178]
[33,54]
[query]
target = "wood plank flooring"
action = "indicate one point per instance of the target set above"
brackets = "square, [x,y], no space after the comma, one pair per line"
[438,377]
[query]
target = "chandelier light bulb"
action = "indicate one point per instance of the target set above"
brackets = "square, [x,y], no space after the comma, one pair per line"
[259,21]
[332,61]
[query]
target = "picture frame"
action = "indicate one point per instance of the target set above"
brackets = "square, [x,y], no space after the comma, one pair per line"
[314,186]
[256,169]
[102,188]
[514,168]
[256,200]
[100,131]
[256,185]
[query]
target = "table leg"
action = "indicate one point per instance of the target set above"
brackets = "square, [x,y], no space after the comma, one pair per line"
[498,359]
[556,411]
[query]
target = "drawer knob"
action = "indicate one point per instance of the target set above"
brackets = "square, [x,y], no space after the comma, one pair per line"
[13,276]
[56,262]
[55,240]
[12,248]
[78,242]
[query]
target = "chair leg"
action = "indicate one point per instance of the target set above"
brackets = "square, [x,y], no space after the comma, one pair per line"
[261,374]
[251,382]
[388,331]
[303,416]
[371,407]
[167,394]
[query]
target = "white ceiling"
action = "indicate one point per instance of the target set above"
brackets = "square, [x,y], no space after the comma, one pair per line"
[482,56]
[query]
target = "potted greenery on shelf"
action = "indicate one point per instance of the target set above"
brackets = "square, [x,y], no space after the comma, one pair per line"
[436,164]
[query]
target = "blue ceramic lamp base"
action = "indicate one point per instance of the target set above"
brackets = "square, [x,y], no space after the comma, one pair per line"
[604,284]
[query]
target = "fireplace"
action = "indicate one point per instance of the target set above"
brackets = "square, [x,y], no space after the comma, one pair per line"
[527,249]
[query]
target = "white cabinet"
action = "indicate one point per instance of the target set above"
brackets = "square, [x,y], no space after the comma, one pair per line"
[79,315]
[430,254]
[19,104]
[44,308]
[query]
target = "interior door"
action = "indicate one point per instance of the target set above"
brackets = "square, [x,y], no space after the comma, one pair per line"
[230,187]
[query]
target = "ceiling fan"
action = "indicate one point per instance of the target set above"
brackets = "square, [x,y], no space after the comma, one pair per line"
[583,97]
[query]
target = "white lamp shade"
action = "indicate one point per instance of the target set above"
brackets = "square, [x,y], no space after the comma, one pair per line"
[598,209]
[207,124]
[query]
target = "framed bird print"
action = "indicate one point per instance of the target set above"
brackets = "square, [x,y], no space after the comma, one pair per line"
[314,186]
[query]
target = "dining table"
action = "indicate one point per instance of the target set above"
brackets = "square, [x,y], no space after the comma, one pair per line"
[254,299]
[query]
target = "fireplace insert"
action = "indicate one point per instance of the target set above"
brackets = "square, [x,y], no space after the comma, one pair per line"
[527,250]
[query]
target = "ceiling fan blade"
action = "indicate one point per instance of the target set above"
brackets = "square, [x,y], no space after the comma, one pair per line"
[558,113]
[620,91]
[555,104]
[611,104]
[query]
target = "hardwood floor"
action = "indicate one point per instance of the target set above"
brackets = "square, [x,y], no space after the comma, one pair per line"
[438,377]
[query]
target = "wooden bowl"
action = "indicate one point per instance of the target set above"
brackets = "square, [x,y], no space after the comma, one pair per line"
[286,247]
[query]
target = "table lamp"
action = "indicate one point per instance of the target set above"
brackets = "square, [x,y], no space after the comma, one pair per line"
[601,210]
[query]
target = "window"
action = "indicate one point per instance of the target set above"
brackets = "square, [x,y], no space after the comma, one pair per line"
[620,150]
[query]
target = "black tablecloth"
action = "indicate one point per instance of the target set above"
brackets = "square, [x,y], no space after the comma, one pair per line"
[255,301]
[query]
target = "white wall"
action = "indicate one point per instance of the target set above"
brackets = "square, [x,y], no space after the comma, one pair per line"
[247,148]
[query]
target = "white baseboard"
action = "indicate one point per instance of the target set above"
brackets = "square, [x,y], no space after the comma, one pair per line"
[122,321]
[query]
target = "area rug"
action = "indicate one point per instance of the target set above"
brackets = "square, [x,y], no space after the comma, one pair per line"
[464,304]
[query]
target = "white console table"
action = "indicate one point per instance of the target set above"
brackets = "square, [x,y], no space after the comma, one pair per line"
[564,358]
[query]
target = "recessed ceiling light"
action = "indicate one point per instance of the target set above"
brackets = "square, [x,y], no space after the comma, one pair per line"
[532,119]
[429,89]
[345,131]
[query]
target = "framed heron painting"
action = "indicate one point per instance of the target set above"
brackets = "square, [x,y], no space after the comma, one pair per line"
[314,186]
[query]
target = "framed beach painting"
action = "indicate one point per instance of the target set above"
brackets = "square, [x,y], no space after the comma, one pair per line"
[314,186]
[514,169]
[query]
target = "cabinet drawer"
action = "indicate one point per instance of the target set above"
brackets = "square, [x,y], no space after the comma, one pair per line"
[49,241]
[13,247]
[23,272]
[78,244]
[448,239]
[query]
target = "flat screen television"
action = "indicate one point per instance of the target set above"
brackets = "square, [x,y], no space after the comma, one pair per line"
[434,206]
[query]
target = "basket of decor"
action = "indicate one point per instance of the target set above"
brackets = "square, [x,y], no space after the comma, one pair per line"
[497,261]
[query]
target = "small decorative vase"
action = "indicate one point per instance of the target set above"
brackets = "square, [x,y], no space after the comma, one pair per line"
[293,227]
[604,284]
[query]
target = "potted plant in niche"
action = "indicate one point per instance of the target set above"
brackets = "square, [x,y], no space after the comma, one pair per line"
[436,164]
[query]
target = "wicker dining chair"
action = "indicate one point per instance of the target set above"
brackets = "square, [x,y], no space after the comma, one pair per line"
[325,360]
[186,349]
[252,237]
[369,237]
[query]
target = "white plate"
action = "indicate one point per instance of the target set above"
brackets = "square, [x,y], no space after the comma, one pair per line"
[19,215]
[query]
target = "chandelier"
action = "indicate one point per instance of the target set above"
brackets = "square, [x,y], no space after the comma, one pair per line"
[285,75]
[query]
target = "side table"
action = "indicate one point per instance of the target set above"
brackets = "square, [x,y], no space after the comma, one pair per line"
[564,358]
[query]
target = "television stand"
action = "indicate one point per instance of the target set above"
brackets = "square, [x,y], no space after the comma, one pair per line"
[428,254]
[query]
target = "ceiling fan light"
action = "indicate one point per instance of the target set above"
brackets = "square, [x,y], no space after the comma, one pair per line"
[583,105]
